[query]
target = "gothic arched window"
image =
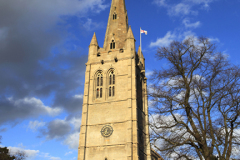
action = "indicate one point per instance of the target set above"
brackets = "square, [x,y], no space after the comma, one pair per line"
[111,87]
[99,85]
[112,45]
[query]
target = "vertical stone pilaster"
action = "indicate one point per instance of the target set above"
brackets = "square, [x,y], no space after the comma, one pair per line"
[148,145]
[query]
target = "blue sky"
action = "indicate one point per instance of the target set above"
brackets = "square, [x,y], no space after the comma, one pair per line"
[44,47]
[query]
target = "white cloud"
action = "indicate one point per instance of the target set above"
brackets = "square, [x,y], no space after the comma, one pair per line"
[48,156]
[180,9]
[55,158]
[90,25]
[188,34]
[149,73]
[236,148]
[76,122]
[160,2]
[172,36]
[72,140]
[198,77]
[70,152]
[31,154]
[184,7]
[214,40]
[34,125]
[205,3]
[187,23]
[80,96]
[157,120]
[37,104]
[166,40]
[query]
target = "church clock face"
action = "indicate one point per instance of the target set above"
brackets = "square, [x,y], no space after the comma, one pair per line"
[107,131]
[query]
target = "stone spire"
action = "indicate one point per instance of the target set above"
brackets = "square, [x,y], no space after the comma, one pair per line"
[94,40]
[117,26]
[130,34]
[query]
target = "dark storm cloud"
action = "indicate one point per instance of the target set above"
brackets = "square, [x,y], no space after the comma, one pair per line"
[61,129]
[35,63]
[23,108]
[75,119]
[56,129]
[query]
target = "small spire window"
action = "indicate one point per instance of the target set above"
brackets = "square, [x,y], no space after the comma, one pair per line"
[112,45]
[114,16]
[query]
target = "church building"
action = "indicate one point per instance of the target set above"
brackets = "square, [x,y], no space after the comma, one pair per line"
[115,104]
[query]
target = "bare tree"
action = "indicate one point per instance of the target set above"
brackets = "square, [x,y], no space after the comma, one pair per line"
[195,102]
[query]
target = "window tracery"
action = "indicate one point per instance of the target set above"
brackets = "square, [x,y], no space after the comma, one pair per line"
[111,87]
[99,85]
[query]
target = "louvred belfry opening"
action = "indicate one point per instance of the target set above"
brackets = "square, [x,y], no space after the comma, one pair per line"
[117,26]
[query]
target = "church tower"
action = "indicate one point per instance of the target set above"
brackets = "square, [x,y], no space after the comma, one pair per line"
[115,108]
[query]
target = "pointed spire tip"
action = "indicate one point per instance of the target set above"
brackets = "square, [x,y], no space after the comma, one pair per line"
[130,33]
[94,40]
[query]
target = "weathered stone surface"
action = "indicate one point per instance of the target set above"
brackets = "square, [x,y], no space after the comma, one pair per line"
[127,111]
